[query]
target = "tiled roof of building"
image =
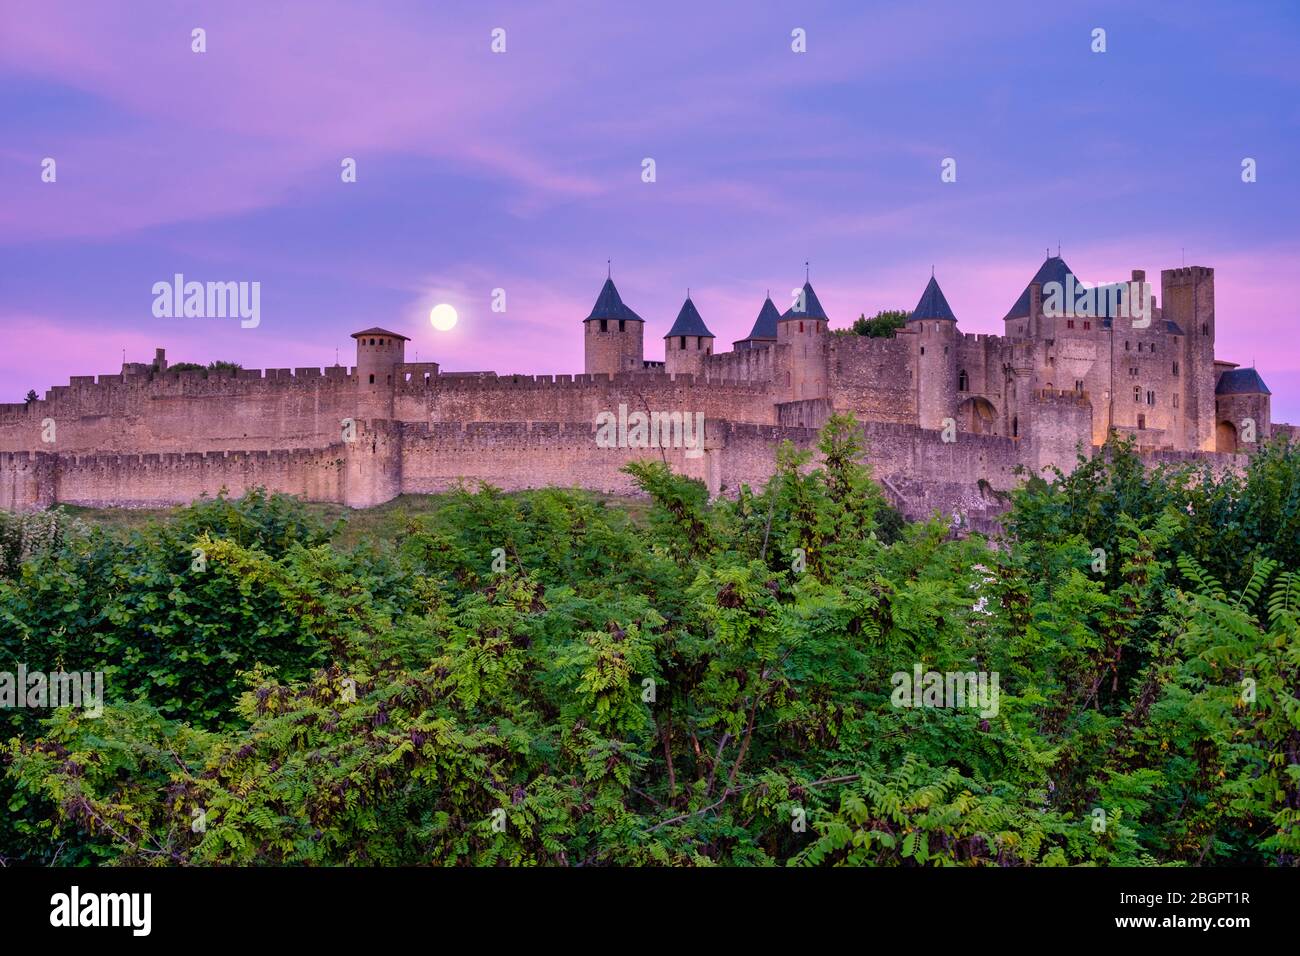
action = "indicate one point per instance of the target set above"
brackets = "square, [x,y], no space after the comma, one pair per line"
[609,305]
[688,322]
[1241,381]
[765,325]
[932,305]
[1053,269]
[812,306]
[376,330]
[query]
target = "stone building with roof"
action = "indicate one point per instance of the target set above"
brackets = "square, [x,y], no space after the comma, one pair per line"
[952,419]
[1142,367]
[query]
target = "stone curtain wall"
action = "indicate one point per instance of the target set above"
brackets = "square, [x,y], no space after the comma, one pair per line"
[186,412]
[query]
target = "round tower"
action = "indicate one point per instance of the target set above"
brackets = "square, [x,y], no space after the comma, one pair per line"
[688,343]
[935,327]
[379,353]
[613,335]
[803,328]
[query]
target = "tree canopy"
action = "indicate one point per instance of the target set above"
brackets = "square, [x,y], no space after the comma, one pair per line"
[548,678]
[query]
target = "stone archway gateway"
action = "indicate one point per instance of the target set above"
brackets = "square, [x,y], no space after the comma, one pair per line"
[977,415]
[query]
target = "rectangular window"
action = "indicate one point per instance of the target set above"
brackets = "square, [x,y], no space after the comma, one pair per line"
[1175,368]
[621,324]
[1069,323]
[1175,399]
[1151,398]
[1137,393]
[1086,325]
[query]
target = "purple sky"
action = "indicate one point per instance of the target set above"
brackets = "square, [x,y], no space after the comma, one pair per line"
[523,170]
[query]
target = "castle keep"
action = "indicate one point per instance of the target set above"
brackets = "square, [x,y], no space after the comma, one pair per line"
[948,415]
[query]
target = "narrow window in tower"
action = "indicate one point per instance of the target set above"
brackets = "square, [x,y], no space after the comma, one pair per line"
[922,349]
[681,341]
[1127,346]
[1151,397]
[1137,393]
[1086,325]
[963,383]
[945,350]
[372,380]
[800,326]
[1205,328]
[604,326]
[1015,426]
[1175,399]
[1175,368]
[1139,346]
[622,325]
[1069,323]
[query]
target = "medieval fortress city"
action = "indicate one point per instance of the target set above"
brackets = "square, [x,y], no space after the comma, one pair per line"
[948,416]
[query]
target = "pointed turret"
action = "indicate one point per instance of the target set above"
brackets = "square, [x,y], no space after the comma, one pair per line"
[688,342]
[808,306]
[933,305]
[614,335]
[803,328]
[764,331]
[609,305]
[936,357]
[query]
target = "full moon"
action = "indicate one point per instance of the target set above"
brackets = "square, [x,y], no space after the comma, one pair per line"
[443,317]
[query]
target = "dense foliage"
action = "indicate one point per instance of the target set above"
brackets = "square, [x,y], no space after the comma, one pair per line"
[541,679]
[882,325]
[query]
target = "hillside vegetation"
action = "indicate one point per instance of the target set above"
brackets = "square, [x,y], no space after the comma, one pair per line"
[545,679]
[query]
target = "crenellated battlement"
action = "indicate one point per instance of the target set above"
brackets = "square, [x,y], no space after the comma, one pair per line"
[360,435]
